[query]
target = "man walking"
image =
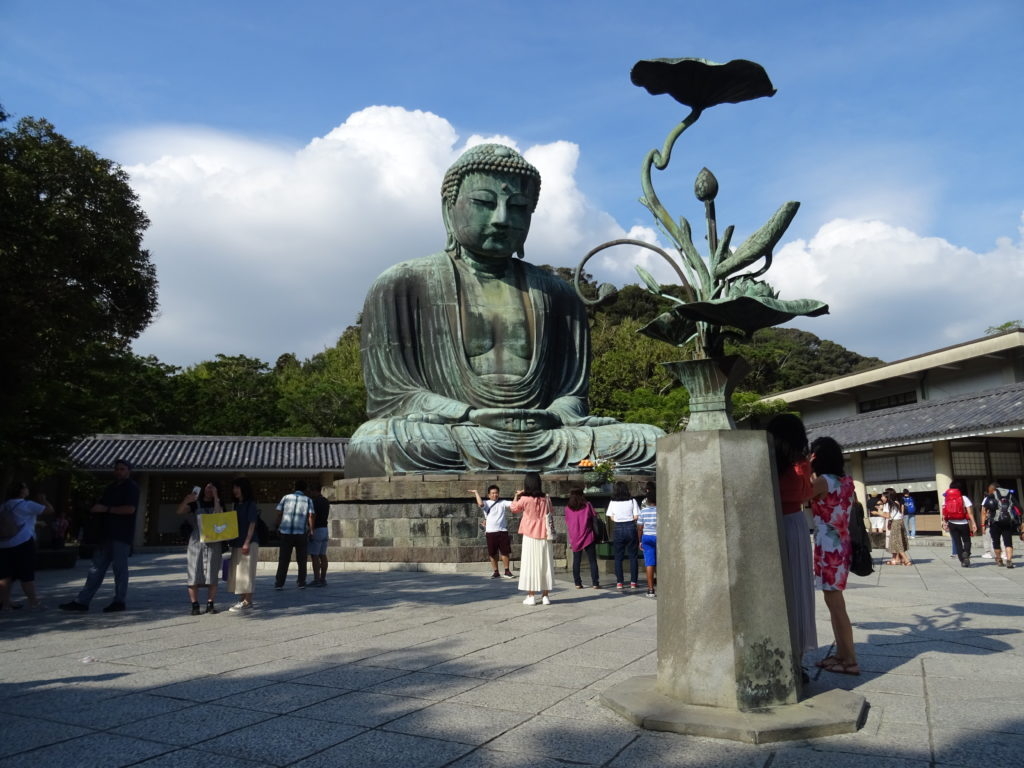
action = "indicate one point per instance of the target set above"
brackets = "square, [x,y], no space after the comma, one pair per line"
[116,524]
[318,542]
[294,523]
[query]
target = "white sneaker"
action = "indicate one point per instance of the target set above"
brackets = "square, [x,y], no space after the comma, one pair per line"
[530,600]
[988,556]
[544,600]
[240,606]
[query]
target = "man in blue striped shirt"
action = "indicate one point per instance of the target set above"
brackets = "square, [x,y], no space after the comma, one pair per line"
[294,523]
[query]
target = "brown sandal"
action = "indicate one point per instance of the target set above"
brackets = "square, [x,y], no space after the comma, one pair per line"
[842,668]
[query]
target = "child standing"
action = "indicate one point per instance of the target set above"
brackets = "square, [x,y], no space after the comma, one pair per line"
[647,533]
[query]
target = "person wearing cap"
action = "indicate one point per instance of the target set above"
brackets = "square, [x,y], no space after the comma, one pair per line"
[116,516]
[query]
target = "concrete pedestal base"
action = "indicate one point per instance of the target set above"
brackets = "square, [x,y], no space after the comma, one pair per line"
[826,714]
[727,663]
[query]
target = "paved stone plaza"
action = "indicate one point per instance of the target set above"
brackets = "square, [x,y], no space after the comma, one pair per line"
[421,669]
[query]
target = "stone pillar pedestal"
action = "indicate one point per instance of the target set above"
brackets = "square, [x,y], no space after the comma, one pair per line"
[726,664]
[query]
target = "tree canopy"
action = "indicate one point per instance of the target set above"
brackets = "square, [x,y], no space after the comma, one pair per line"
[77,288]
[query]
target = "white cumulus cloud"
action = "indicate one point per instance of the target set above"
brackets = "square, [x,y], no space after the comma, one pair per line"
[894,293]
[263,249]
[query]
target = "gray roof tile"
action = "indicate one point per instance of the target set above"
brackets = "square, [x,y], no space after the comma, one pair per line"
[164,453]
[992,411]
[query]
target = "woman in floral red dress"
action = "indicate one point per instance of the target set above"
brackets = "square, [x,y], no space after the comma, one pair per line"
[833,497]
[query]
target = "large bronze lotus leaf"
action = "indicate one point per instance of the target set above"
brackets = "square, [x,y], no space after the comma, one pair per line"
[699,83]
[748,313]
[671,328]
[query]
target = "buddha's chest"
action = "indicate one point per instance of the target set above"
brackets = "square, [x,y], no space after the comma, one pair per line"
[496,326]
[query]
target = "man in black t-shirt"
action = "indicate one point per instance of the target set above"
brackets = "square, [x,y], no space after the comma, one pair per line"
[318,537]
[116,517]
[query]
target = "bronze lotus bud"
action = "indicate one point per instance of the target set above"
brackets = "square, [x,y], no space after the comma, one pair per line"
[706,186]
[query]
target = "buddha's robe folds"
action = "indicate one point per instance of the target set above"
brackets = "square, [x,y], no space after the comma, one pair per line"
[421,385]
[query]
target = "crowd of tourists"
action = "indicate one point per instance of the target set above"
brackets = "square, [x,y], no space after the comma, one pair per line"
[634,522]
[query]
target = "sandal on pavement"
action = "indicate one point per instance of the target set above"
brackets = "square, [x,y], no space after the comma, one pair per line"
[827,661]
[843,669]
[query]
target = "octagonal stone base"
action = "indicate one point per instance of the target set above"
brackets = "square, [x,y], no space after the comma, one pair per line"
[826,714]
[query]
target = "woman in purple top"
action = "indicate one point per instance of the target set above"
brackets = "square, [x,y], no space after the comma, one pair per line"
[579,522]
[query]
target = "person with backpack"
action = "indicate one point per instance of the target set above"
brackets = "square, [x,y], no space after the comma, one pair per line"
[958,521]
[1000,510]
[910,513]
[245,550]
[18,516]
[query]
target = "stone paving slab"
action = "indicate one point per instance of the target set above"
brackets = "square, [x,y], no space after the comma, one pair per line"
[428,669]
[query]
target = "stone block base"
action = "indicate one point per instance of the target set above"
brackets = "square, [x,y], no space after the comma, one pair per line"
[429,522]
[827,714]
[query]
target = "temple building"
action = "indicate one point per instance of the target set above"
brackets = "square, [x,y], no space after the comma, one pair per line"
[921,422]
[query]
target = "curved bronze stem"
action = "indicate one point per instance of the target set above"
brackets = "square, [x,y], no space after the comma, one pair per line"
[629,241]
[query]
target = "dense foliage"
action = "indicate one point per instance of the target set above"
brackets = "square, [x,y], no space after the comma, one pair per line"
[77,287]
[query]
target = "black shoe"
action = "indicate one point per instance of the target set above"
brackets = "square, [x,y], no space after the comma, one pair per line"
[210,608]
[279,587]
[114,607]
[74,606]
[1009,564]
[495,575]
[195,609]
[302,586]
[966,562]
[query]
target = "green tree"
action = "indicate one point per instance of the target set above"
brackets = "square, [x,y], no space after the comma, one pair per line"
[77,288]
[786,358]
[234,395]
[324,396]
[1009,325]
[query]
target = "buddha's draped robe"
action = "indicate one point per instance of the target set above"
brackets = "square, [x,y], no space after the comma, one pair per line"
[421,386]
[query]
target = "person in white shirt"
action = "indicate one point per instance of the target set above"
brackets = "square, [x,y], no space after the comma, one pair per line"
[499,543]
[892,509]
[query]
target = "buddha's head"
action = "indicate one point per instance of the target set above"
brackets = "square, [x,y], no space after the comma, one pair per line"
[488,197]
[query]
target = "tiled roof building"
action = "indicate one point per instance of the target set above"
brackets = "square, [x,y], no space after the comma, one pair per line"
[921,422]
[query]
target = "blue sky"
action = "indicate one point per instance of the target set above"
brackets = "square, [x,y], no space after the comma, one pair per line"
[286,153]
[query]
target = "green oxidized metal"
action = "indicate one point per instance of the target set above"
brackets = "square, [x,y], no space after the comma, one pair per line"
[723,296]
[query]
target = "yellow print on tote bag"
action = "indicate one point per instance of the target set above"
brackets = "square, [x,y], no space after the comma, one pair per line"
[218,526]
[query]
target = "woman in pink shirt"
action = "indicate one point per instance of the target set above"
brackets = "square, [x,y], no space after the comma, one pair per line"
[579,525]
[537,566]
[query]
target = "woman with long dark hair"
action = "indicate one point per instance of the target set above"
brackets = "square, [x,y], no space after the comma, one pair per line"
[245,549]
[579,524]
[203,560]
[623,512]
[537,566]
[833,549]
[794,473]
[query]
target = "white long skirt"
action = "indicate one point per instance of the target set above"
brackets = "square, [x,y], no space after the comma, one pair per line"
[242,571]
[801,581]
[536,565]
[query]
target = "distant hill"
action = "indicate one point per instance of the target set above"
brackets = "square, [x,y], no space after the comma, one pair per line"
[787,358]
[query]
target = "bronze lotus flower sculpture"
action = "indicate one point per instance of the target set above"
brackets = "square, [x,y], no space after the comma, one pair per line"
[724,298]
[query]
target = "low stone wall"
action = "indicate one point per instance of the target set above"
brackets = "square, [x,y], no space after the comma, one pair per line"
[431,522]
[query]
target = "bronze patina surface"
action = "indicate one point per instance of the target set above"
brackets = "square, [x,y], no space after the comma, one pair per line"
[475,360]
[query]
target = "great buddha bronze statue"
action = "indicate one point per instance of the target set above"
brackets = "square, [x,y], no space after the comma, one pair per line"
[475,360]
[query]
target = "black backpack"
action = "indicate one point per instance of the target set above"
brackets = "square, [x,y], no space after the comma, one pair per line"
[861,563]
[1004,509]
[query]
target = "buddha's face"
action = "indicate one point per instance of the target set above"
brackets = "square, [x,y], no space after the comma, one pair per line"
[491,215]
